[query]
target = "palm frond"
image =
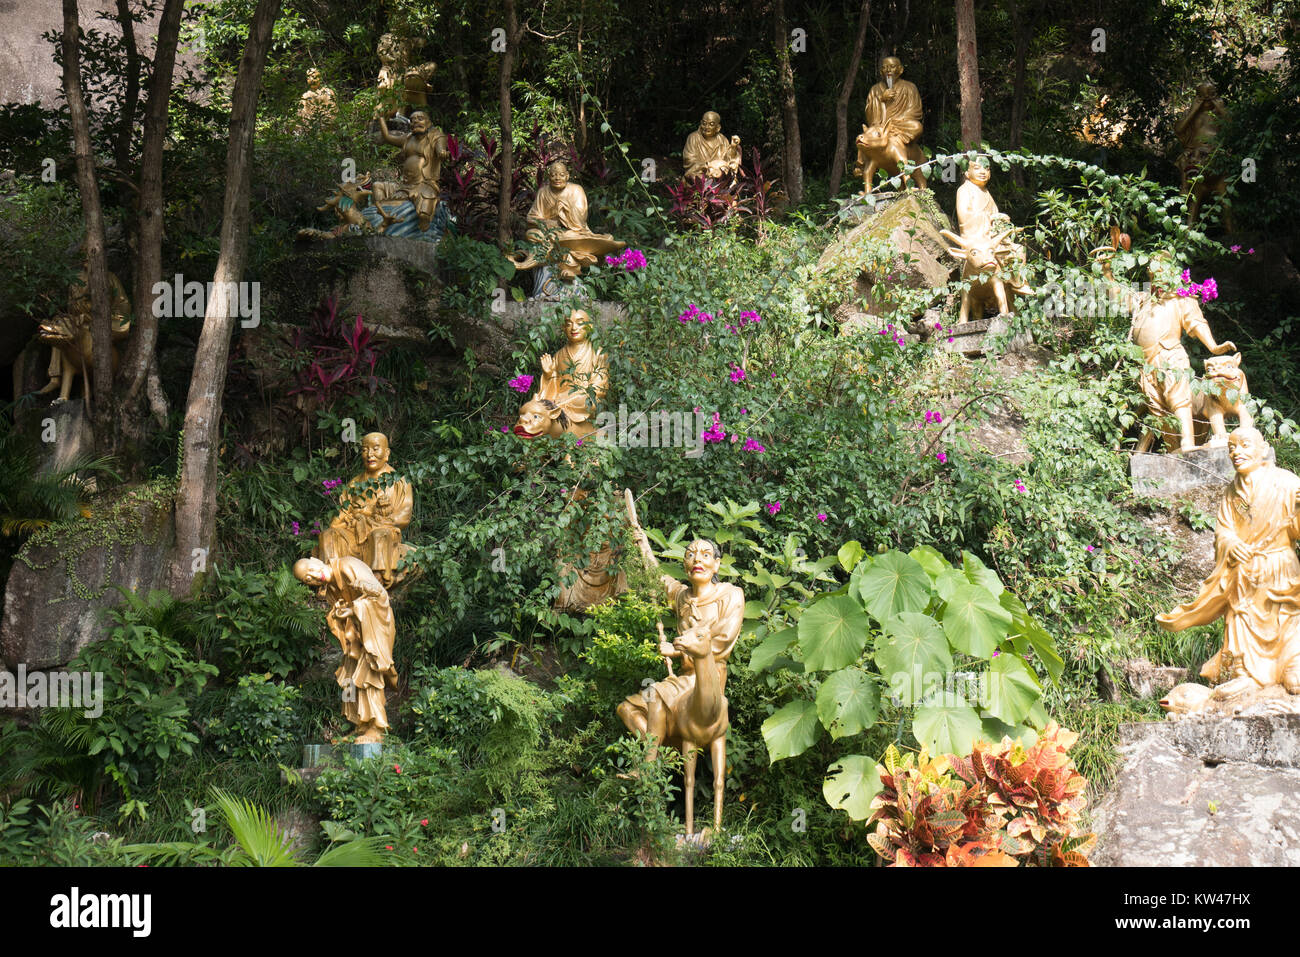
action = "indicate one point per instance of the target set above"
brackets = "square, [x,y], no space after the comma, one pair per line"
[258,834]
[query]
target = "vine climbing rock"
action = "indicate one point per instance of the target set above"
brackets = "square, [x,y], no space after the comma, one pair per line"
[66,577]
[896,244]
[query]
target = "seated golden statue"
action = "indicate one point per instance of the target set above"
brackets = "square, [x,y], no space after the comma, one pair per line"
[361,618]
[420,162]
[317,103]
[71,340]
[573,382]
[369,523]
[559,219]
[1255,585]
[1159,321]
[689,710]
[709,153]
[893,114]
[1198,131]
[993,264]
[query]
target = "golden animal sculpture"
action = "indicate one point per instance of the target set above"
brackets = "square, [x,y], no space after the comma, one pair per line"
[878,150]
[688,711]
[893,115]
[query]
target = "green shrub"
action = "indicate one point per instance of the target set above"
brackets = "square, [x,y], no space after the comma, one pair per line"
[259,720]
[254,622]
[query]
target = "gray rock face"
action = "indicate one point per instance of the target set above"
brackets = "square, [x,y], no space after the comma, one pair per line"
[1204,791]
[57,594]
[1178,472]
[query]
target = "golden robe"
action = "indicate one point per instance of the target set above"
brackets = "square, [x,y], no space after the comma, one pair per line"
[369,526]
[565,210]
[722,615]
[713,156]
[578,379]
[366,636]
[901,116]
[1259,600]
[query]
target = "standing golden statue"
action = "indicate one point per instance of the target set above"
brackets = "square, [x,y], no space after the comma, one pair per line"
[994,264]
[1159,321]
[361,618]
[559,219]
[71,340]
[689,710]
[317,102]
[369,523]
[1255,585]
[709,153]
[1198,131]
[888,140]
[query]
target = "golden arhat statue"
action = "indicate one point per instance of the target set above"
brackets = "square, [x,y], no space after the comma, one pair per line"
[888,139]
[361,618]
[422,152]
[317,102]
[369,523]
[559,218]
[573,382]
[689,710]
[70,338]
[993,264]
[397,69]
[1255,585]
[1198,131]
[1159,321]
[709,153]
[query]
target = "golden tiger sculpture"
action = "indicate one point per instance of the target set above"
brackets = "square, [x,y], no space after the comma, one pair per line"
[1227,398]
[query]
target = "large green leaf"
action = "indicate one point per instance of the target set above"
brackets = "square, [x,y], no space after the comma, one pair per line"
[931,559]
[791,731]
[994,730]
[913,649]
[848,702]
[832,633]
[974,621]
[1013,689]
[850,554]
[1024,627]
[948,727]
[772,647]
[894,584]
[948,581]
[851,783]
[977,573]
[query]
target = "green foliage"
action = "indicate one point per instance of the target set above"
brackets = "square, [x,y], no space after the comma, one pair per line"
[259,720]
[256,622]
[53,835]
[951,647]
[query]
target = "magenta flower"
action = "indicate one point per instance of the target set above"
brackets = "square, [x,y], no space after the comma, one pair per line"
[996,653]
[690,313]
[737,374]
[821,516]
[749,316]
[752,446]
[1234,249]
[293,526]
[505,428]
[744,412]
[1089,549]
[773,507]
[935,417]
[942,457]
[631,260]
[331,484]
[521,383]
[715,433]
[1250,251]
[1020,486]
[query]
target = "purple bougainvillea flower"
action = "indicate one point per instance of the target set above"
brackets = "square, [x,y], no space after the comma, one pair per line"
[521,383]
[821,516]
[773,507]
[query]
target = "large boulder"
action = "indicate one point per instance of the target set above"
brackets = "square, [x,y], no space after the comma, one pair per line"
[66,577]
[1205,790]
[898,242]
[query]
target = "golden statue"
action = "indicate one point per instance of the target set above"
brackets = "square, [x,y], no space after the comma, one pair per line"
[689,710]
[1197,130]
[71,340]
[397,69]
[362,620]
[709,153]
[1159,321]
[993,264]
[559,218]
[888,138]
[420,162]
[369,523]
[317,103]
[1255,585]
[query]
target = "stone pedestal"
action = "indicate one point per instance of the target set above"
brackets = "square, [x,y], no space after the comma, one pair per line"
[1177,472]
[1204,791]
[317,757]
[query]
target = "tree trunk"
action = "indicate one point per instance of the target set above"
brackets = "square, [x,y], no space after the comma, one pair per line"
[196,502]
[505,195]
[126,124]
[1015,135]
[793,153]
[842,104]
[149,230]
[93,215]
[968,74]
